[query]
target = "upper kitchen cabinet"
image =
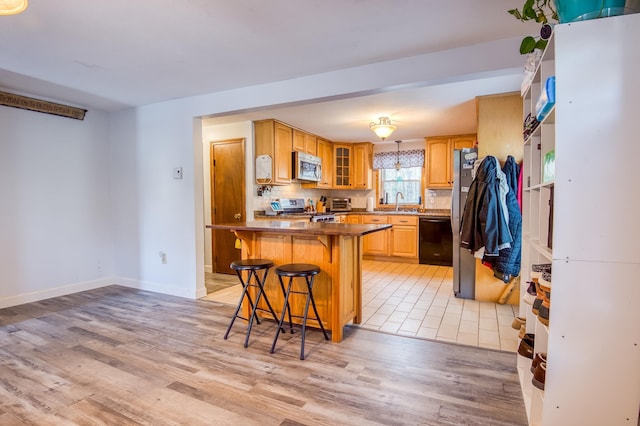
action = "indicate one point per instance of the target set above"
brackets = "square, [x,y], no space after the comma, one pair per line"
[275,139]
[304,142]
[352,165]
[440,158]
[325,152]
[362,165]
[342,159]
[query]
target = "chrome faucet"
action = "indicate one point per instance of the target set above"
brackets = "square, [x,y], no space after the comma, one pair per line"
[401,196]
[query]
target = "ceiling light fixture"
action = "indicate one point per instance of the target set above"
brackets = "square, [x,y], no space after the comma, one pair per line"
[383,128]
[398,165]
[12,7]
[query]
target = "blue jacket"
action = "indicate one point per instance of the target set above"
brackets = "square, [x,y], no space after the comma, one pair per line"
[507,264]
[483,222]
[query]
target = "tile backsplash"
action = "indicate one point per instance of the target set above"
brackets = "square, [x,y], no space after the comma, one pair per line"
[295,190]
[433,198]
[437,198]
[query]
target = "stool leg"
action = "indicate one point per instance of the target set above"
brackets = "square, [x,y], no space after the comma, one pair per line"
[284,312]
[253,305]
[286,305]
[304,316]
[261,292]
[315,310]
[235,314]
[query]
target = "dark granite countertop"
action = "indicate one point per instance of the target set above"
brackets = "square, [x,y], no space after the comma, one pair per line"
[308,228]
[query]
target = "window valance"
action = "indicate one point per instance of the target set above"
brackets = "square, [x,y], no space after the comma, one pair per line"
[409,158]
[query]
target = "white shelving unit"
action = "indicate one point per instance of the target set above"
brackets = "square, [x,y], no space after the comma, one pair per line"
[593,338]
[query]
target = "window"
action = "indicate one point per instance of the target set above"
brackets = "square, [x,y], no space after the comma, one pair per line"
[407,180]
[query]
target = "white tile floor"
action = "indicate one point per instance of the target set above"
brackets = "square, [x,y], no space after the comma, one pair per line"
[417,301]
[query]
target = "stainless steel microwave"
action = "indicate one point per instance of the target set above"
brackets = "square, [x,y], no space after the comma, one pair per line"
[307,167]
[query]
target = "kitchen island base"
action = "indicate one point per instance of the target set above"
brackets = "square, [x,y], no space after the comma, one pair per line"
[337,288]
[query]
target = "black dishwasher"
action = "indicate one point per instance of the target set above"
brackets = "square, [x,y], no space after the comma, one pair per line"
[436,241]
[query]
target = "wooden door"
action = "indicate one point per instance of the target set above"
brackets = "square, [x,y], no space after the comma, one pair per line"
[227,200]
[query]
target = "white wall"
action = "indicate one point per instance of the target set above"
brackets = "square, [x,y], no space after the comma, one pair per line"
[63,230]
[55,236]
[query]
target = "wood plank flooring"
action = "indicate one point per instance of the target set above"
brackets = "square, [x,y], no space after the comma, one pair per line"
[118,356]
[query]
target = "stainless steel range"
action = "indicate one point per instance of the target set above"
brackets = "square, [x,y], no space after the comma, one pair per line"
[295,206]
[323,217]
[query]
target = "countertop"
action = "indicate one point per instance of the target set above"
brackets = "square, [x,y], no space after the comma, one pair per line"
[307,228]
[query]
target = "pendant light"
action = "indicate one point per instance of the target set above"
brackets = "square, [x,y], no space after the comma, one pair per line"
[398,165]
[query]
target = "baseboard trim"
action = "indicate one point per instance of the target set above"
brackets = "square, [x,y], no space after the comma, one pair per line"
[188,293]
[36,296]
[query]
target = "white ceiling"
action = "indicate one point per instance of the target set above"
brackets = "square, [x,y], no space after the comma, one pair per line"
[117,54]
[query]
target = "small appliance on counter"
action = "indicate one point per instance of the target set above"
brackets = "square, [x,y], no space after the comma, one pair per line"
[276,208]
[340,205]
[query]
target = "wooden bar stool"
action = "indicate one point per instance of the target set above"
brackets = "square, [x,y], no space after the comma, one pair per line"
[253,266]
[298,270]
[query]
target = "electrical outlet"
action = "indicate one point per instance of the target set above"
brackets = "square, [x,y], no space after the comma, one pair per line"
[177,173]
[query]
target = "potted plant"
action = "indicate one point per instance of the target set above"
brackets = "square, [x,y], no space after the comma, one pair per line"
[540,11]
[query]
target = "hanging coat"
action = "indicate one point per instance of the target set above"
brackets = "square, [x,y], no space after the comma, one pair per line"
[507,264]
[484,222]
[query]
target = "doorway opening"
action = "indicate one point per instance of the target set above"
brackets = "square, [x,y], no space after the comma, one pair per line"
[228,201]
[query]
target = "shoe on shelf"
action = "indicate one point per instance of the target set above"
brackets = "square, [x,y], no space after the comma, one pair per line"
[539,268]
[543,311]
[517,322]
[539,375]
[537,359]
[523,331]
[530,294]
[545,279]
[526,345]
[535,306]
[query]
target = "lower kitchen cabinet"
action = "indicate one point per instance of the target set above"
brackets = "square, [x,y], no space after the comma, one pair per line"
[404,236]
[399,241]
[378,242]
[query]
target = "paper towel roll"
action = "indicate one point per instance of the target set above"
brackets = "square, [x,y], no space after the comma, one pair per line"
[370,204]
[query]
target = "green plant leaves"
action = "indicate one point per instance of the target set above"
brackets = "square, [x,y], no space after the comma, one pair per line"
[528,45]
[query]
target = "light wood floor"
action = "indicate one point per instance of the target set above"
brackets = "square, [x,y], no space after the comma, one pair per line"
[417,301]
[119,356]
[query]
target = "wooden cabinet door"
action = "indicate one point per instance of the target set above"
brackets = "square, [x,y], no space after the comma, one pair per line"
[342,158]
[403,237]
[310,144]
[352,218]
[325,152]
[283,138]
[376,243]
[299,140]
[438,163]
[464,141]
[362,166]
[404,241]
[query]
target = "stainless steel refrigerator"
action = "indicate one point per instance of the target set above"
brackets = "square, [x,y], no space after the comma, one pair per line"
[464,264]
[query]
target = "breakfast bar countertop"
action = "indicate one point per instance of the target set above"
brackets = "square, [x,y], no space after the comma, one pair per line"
[306,228]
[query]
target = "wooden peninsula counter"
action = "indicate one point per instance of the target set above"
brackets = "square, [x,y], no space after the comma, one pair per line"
[335,247]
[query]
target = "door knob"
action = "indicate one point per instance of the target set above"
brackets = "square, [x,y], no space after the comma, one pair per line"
[237,217]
